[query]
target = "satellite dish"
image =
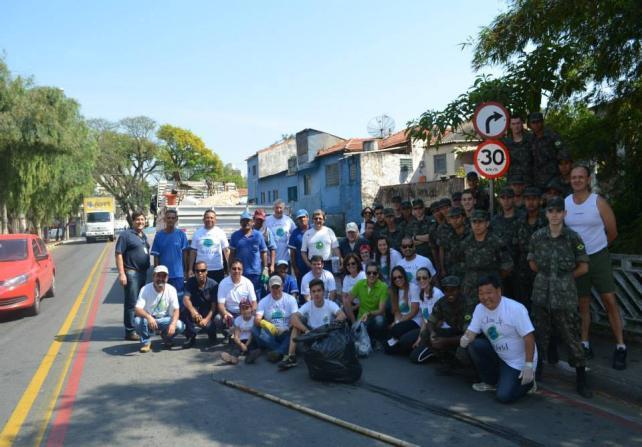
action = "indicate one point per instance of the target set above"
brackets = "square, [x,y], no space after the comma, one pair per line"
[381,126]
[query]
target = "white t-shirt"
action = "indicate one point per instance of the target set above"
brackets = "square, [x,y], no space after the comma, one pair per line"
[232,294]
[277,312]
[209,246]
[157,304]
[328,283]
[405,302]
[505,328]
[319,242]
[349,282]
[318,316]
[425,306]
[281,229]
[411,267]
[244,326]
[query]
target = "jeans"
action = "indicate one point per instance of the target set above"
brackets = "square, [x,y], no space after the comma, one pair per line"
[279,343]
[256,282]
[406,334]
[494,371]
[376,327]
[192,329]
[135,281]
[142,327]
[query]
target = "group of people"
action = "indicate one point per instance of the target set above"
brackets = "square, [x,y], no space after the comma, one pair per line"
[445,281]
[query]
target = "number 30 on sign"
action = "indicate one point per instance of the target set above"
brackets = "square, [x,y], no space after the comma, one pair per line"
[491,159]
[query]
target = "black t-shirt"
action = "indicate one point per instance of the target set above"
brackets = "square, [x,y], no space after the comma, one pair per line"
[202,299]
[135,250]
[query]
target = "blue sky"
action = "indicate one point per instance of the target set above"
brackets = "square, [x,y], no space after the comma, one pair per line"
[240,74]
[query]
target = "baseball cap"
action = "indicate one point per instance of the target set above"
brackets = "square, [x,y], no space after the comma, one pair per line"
[472,174]
[507,192]
[406,204]
[161,269]
[418,203]
[564,155]
[275,281]
[532,191]
[456,195]
[301,213]
[554,184]
[535,116]
[352,227]
[455,211]
[246,215]
[445,202]
[556,203]
[259,214]
[516,179]
[396,199]
[434,206]
[282,262]
[479,215]
[388,212]
[451,281]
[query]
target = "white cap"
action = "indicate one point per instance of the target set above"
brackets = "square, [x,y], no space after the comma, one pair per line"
[161,269]
[352,227]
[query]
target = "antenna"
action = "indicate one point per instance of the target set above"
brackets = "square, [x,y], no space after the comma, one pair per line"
[381,126]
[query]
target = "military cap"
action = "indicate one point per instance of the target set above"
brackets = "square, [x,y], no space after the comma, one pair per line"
[472,174]
[396,199]
[555,185]
[445,202]
[555,203]
[418,203]
[434,205]
[506,192]
[455,211]
[535,116]
[456,196]
[479,215]
[532,191]
[516,179]
[451,281]
[406,204]
[388,212]
[564,155]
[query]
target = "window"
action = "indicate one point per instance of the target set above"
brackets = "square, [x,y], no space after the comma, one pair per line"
[307,184]
[439,164]
[275,194]
[405,169]
[254,171]
[332,174]
[352,169]
[269,197]
[292,194]
[292,165]
[263,197]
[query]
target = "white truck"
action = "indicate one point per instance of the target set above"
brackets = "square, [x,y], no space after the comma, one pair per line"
[99,218]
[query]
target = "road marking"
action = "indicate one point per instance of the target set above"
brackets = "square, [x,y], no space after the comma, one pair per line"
[20,413]
[61,423]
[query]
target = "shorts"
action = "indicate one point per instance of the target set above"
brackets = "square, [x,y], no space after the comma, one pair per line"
[600,275]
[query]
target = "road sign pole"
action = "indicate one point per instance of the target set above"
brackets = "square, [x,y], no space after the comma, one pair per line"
[492,196]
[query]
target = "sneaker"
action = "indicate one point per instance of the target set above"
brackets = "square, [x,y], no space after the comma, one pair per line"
[132,336]
[189,342]
[588,352]
[168,344]
[289,361]
[481,386]
[229,358]
[619,359]
[274,356]
[146,348]
[252,356]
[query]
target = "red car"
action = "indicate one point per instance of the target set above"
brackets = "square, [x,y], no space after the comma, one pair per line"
[27,272]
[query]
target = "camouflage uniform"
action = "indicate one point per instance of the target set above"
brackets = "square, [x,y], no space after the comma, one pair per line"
[544,152]
[505,228]
[525,276]
[421,228]
[394,237]
[521,158]
[455,315]
[450,241]
[554,298]
[482,258]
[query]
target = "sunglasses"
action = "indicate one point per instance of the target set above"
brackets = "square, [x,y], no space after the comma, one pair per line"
[369,273]
[201,271]
[397,277]
[422,278]
[407,246]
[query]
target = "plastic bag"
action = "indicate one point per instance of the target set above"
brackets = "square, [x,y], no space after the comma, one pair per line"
[330,354]
[362,339]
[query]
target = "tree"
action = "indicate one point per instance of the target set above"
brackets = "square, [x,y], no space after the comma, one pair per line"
[232,175]
[184,156]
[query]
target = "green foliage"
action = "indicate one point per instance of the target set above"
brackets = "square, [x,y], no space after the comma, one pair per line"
[231,175]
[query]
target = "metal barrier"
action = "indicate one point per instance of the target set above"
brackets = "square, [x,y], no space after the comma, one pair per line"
[627,272]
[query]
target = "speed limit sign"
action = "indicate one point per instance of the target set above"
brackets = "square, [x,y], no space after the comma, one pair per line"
[491,159]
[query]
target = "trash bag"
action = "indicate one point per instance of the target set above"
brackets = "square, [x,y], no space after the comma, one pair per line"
[362,339]
[330,354]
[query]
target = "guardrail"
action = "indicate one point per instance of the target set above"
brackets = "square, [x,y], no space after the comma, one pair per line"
[627,272]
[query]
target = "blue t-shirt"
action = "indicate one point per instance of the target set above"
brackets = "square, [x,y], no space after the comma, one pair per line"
[168,247]
[248,250]
[289,285]
[296,239]
[135,250]
[202,299]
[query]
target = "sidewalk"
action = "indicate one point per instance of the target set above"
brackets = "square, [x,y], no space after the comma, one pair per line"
[625,385]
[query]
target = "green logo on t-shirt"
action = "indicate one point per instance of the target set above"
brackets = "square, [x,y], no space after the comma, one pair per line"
[409,276]
[492,333]
[207,242]
[280,232]
[425,313]
[319,245]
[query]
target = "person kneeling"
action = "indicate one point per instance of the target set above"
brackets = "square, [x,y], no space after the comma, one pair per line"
[199,306]
[244,343]
[313,314]
[157,310]
[506,358]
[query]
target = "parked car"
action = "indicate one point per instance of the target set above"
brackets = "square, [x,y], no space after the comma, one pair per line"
[27,273]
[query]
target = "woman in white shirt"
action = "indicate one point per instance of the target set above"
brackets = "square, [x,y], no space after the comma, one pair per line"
[404,301]
[386,257]
[354,273]
[428,296]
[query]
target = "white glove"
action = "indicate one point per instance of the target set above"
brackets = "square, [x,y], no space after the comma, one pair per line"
[528,373]
[464,341]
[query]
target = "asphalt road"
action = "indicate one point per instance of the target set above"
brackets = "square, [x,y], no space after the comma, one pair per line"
[101,391]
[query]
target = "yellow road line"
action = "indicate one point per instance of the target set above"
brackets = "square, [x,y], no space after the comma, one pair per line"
[65,369]
[20,413]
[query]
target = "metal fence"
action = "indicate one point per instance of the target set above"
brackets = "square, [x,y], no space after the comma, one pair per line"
[627,272]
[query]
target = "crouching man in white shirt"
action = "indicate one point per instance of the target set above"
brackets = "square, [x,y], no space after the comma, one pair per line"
[313,314]
[157,310]
[506,358]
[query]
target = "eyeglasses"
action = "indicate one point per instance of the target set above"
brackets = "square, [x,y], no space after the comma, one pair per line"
[371,273]
[407,246]
[201,271]
[397,277]
[423,278]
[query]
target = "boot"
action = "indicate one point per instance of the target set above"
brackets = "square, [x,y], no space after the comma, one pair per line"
[583,388]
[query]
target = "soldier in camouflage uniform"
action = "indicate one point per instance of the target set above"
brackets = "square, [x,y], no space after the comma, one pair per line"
[444,342]
[484,254]
[392,232]
[439,220]
[407,219]
[531,222]
[450,236]
[557,255]
[518,185]
[505,225]
[565,166]
[420,229]
[545,145]
[380,221]
[519,149]
[482,199]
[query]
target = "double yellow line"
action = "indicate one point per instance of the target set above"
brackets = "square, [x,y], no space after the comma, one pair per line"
[20,413]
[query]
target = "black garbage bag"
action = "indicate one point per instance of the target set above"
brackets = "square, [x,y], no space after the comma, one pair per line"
[330,354]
